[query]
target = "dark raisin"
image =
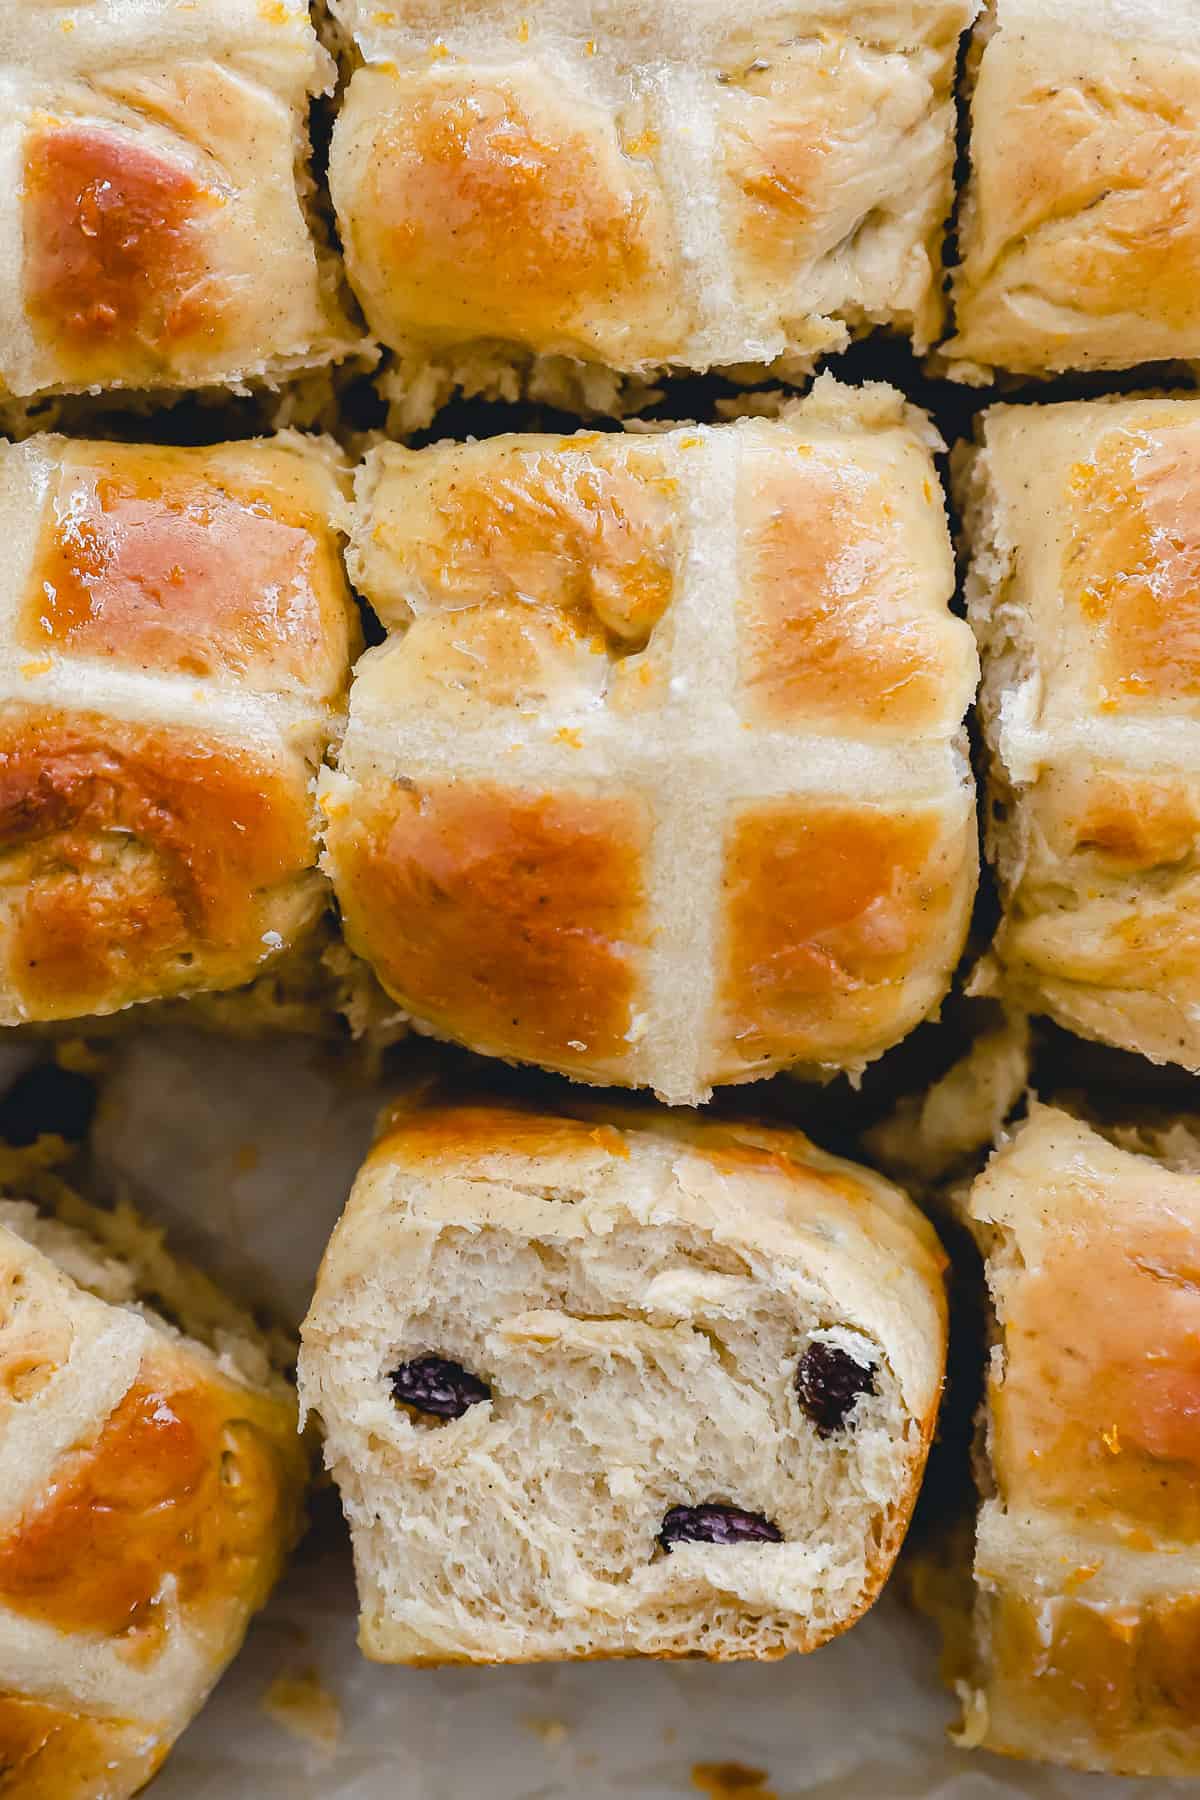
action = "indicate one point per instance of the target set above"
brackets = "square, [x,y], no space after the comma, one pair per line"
[829,1382]
[435,1385]
[716,1524]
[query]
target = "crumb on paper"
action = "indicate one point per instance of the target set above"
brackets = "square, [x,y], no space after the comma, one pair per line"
[246,1158]
[731,1781]
[80,1057]
[552,1732]
[302,1706]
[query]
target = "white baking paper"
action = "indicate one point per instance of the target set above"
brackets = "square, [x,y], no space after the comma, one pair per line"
[246,1152]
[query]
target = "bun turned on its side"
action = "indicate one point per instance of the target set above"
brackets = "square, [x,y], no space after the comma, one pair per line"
[603,1383]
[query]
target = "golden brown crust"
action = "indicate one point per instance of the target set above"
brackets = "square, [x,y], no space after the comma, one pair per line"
[583,525]
[828,910]
[1100,1427]
[179,636]
[645,185]
[777,164]
[514,920]
[447,1132]
[1101,833]
[1104,1423]
[1082,228]
[528,573]
[836,623]
[813,130]
[1130,823]
[194,562]
[1131,562]
[437,1119]
[1097,1686]
[51,1753]
[151,1487]
[117,280]
[481,207]
[156,224]
[1086,1608]
[189,1480]
[504,655]
[140,860]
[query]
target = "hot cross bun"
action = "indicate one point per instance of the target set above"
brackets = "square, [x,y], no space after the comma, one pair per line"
[660,778]
[1082,520]
[639,185]
[1080,226]
[155,197]
[176,635]
[1087,1614]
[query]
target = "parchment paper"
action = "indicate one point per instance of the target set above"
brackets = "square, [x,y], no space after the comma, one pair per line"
[246,1152]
